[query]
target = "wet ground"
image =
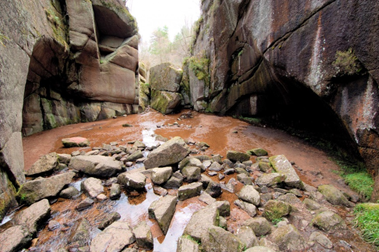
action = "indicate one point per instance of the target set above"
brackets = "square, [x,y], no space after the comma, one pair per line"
[220,133]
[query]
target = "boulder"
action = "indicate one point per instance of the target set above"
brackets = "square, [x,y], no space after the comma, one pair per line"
[134,156]
[144,237]
[15,238]
[334,196]
[191,173]
[215,166]
[264,166]
[213,189]
[190,190]
[328,221]
[187,244]
[201,221]
[135,180]
[270,179]
[321,239]
[81,233]
[175,181]
[247,236]
[249,194]
[92,186]
[115,191]
[64,158]
[114,238]
[160,176]
[165,102]
[311,204]
[32,217]
[109,219]
[163,210]
[99,166]
[275,209]
[171,152]
[46,163]
[69,192]
[75,142]
[247,207]
[257,152]
[282,166]
[165,77]
[288,238]
[237,156]
[218,239]
[259,225]
[84,204]
[40,188]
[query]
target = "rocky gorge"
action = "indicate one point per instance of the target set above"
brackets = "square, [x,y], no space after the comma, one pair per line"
[143,191]
[307,65]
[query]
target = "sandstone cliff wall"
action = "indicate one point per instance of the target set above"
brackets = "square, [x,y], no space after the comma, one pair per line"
[61,62]
[262,56]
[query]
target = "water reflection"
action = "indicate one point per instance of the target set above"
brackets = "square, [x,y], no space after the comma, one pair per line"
[178,223]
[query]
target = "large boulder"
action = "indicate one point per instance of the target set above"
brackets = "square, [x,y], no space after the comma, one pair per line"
[163,210]
[165,84]
[95,165]
[40,188]
[171,152]
[328,221]
[114,238]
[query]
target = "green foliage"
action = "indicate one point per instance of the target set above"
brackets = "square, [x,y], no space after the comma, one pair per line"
[367,219]
[251,120]
[276,221]
[360,182]
[127,125]
[347,63]
[200,66]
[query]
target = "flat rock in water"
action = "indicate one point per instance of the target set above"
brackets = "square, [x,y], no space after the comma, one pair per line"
[40,188]
[115,191]
[84,204]
[171,152]
[32,216]
[97,165]
[190,190]
[135,180]
[114,238]
[14,238]
[44,164]
[109,219]
[93,187]
[163,210]
[69,192]
[75,142]
[80,234]
[281,165]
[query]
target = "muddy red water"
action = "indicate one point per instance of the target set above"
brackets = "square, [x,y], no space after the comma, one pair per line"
[220,133]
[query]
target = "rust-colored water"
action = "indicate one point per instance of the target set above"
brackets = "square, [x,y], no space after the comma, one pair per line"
[221,133]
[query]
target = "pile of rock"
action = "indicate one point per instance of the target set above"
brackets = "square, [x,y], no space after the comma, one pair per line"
[283,210]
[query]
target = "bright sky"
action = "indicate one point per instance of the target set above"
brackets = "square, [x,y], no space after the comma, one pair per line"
[154,14]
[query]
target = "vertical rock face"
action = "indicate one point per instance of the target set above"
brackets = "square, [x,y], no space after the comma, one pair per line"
[286,58]
[61,62]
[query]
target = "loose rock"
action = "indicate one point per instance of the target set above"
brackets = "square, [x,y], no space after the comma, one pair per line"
[190,190]
[46,163]
[163,210]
